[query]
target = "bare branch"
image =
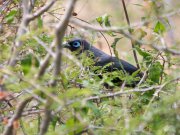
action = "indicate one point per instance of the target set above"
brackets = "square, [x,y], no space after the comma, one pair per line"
[122,31]
[26,19]
[133,90]
[9,128]
[166,49]
[122,92]
[59,33]
[46,120]
[21,31]
[49,50]
[43,66]
[42,10]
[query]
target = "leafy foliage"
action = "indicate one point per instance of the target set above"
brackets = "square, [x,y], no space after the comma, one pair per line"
[81,102]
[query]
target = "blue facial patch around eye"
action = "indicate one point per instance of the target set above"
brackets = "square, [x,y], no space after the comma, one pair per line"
[76,44]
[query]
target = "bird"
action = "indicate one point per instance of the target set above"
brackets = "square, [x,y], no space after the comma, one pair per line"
[102,59]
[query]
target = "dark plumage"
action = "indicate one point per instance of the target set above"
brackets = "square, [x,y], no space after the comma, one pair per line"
[101,58]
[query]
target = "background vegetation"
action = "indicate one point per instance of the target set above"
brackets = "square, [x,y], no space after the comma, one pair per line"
[44,89]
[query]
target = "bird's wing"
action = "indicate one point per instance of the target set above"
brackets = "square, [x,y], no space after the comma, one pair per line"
[102,59]
[129,68]
[117,64]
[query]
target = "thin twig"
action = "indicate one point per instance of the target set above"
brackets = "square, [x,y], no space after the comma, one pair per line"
[130,31]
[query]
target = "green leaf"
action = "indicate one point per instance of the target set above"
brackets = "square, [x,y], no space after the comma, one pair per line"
[76,92]
[146,55]
[40,22]
[143,53]
[159,28]
[94,108]
[115,42]
[99,20]
[114,46]
[138,5]
[10,16]
[155,72]
[54,121]
[27,62]
[106,20]
[134,74]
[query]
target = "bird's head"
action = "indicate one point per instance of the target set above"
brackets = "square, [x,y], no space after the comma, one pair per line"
[77,45]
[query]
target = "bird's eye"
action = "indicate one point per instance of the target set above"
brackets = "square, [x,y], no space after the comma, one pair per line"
[76,44]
